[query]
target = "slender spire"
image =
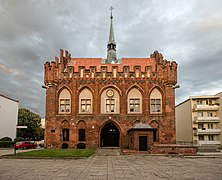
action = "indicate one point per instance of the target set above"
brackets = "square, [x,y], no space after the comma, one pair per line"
[111,32]
[111,46]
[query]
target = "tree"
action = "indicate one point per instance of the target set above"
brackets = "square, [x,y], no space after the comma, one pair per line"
[33,123]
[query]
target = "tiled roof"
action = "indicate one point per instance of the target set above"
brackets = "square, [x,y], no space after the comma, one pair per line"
[131,62]
[141,126]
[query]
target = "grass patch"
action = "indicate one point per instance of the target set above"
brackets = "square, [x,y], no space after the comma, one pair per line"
[59,153]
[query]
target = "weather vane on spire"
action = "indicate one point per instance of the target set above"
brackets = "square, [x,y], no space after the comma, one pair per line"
[111,8]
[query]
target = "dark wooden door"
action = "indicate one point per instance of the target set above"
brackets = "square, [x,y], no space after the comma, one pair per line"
[110,135]
[142,143]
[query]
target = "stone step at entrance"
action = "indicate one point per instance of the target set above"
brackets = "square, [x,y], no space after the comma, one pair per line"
[108,151]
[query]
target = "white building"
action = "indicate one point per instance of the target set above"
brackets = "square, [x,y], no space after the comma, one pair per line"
[198,120]
[8,117]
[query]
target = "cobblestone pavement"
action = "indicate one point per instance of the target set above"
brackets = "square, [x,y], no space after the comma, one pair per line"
[112,167]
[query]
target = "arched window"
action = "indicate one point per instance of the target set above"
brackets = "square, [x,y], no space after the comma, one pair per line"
[85,101]
[110,101]
[64,101]
[155,101]
[134,100]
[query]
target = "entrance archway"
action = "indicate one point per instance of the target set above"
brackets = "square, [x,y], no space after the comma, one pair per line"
[109,135]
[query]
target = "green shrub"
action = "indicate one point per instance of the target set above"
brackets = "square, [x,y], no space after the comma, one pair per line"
[19,139]
[6,144]
[6,139]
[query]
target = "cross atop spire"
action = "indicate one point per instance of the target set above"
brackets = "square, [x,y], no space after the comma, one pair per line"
[111,46]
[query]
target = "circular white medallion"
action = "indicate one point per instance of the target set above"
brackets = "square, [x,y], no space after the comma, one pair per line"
[110,93]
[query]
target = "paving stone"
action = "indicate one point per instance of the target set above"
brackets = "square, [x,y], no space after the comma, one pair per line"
[112,167]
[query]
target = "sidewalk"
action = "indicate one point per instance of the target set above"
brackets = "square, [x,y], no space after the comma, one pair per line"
[112,166]
[8,151]
[108,151]
[210,154]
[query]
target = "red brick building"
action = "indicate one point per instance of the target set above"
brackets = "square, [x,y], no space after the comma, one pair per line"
[95,102]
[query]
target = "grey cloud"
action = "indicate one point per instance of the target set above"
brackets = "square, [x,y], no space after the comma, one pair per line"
[32,32]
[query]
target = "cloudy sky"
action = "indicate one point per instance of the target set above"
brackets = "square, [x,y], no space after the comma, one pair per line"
[32,32]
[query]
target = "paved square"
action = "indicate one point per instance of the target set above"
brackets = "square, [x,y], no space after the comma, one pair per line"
[113,167]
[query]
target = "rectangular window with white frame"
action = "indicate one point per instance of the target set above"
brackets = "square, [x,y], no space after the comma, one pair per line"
[110,105]
[64,105]
[85,105]
[155,105]
[134,105]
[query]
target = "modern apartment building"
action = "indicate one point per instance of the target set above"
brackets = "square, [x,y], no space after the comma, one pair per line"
[198,120]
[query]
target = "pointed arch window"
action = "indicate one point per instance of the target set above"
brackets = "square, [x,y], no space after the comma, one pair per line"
[85,101]
[156,101]
[64,101]
[134,101]
[110,101]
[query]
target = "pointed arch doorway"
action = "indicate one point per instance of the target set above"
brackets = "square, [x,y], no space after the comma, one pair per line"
[109,135]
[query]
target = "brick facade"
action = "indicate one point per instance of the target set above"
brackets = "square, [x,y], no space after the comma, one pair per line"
[77,74]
